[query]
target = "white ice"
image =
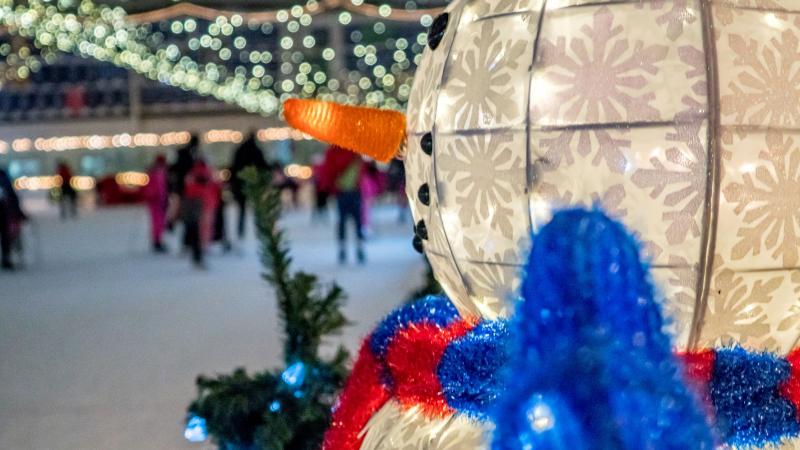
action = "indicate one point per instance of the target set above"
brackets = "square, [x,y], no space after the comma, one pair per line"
[100,341]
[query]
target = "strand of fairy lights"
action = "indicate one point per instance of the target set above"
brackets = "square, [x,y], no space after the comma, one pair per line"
[142,140]
[383,11]
[106,34]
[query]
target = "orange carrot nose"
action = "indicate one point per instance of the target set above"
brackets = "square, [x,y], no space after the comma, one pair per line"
[376,133]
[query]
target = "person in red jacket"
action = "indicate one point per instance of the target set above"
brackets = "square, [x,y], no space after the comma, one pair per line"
[156,196]
[340,174]
[201,195]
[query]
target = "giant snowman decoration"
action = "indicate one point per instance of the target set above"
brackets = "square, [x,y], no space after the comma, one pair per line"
[680,117]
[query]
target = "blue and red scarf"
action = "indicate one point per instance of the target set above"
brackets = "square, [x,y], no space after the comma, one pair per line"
[426,355]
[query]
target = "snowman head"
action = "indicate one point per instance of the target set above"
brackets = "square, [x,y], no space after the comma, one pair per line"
[649,109]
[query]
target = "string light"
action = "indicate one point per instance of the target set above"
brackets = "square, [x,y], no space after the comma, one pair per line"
[137,140]
[132,179]
[411,14]
[110,35]
[42,183]
[298,171]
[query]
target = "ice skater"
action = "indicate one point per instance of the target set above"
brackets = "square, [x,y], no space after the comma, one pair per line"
[157,199]
[199,205]
[68,203]
[11,217]
[342,170]
[248,154]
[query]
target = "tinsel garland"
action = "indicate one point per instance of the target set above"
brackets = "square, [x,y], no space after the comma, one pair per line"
[751,404]
[583,358]
[363,395]
[753,397]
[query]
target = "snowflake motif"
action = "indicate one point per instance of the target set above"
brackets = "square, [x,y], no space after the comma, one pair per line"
[769,202]
[726,14]
[792,317]
[486,9]
[678,15]
[610,200]
[683,178]
[492,284]
[421,103]
[679,307]
[482,171]
[606,148]
[695,58]
[604,83]
[480,87]
[737,311]
[766,91]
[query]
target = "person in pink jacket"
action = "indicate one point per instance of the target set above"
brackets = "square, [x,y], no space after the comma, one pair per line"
[157,197]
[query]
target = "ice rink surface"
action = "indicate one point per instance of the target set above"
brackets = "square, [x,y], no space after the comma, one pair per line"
[100,340]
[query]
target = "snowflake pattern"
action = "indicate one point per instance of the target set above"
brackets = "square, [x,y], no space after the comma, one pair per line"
[768,202]
[491,286]
[678,286]
[726,14]
[764,86]
[677,16]
[599,144]
[695,59]
[737,310]
[423,95]
[482,173]
[482,85]
[683,178]
[493,8]
[603,76]
[611,200]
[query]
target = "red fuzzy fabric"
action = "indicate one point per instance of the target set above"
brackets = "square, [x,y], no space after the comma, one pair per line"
[791,388]
[363,395]
[698,366]
[698,369]
[412,358]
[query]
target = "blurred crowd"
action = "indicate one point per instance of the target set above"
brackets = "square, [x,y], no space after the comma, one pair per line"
[189,197]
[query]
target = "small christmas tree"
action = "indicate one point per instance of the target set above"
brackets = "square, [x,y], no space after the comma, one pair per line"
[289,408]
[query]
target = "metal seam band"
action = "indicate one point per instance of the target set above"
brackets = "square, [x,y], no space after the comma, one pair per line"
[713,179]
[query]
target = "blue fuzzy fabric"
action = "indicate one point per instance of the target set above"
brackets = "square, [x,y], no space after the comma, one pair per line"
[469,369]
[588,340]
[745,391]
[432,309]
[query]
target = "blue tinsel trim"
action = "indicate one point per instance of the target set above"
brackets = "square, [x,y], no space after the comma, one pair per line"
[745,390]
[432,309]
[469,369]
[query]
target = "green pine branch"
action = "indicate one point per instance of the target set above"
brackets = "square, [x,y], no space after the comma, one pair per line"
[308,311]
[262,411]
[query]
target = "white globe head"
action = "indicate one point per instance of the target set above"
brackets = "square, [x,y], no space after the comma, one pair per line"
[680,118]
